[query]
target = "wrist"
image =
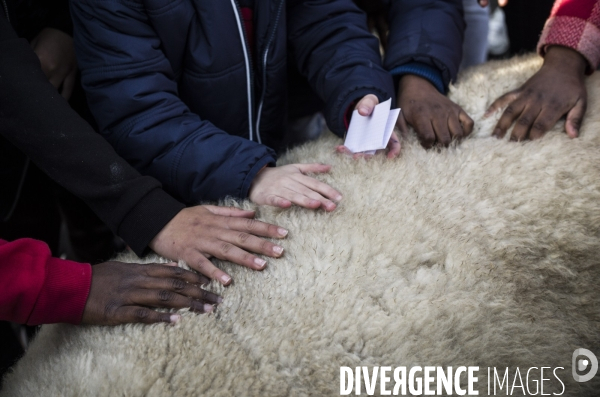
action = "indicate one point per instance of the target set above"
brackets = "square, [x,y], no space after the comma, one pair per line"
[565,59]
[413,81]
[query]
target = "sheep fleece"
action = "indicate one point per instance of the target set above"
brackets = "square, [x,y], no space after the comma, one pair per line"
[483,254]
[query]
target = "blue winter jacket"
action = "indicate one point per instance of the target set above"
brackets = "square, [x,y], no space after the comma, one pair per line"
[178,93]
[426,39]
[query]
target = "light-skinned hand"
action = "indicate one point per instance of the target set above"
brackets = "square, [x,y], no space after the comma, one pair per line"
[56,52]
[435,118]
[125,293]
[289,184]
[557,89]
[365,107]
[484,3]
[198,233]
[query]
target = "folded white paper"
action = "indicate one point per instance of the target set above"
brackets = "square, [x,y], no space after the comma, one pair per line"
[371,133]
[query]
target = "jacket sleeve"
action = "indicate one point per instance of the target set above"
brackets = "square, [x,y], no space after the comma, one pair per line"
[332,47]
[426,36]
[40,123]
[132,92]
[574,24]
[38,289]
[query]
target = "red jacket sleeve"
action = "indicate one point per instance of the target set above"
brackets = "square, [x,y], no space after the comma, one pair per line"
[38,289]
[574,24]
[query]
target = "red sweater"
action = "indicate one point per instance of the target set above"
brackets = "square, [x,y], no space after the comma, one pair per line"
[38,289]
[574,24]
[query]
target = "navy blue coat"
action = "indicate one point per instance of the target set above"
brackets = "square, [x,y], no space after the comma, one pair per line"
[429,32]
[172,86]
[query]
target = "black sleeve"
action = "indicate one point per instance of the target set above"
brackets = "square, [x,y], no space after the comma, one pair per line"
[38,121]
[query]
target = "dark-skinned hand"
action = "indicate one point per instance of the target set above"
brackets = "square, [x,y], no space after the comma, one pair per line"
[198,233]
[56,52]
[557,89]
[125,293]
[435,118]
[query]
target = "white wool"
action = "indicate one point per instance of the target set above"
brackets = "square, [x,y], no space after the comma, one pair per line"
[483,254]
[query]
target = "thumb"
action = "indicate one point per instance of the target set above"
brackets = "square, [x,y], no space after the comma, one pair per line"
[367,104]
[575,117]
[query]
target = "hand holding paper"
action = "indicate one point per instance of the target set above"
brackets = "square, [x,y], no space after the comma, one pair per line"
[371,132]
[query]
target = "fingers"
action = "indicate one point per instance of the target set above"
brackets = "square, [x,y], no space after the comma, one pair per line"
[251,243]
[402,125]
[302,199]
[394,145]
[137,314]
[545,120]
[312,192]
[575,117]
[455,128]
[174,272]
[201,264]
[442,133]
[68,85]
[466,122]
[501,102]
[182,288]
[227,251]
[524,123]
[277,201]
[317,186]
[314,168]
[425,133]
[343,149]
[502,3]
[511,113]
[254,227]
[164,298]
[230,211]
[367,104]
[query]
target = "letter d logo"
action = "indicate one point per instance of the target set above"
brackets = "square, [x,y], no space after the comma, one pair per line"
[584,363]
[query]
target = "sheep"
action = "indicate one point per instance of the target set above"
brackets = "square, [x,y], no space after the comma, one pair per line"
[486,253]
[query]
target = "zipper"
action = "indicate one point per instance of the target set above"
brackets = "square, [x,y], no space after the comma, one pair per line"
[264,71]
[6,10]
[249,72]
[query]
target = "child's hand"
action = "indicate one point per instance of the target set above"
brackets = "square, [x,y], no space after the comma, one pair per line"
[287,185]
[365,108]
[435,118]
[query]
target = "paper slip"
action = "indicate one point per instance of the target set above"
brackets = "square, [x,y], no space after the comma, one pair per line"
[371,133]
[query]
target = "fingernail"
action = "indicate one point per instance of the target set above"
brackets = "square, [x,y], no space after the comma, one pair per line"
[282,231]
[171,264]
[496,133]
[338,197]
[487,114]
[225,279]
[208,308]
[277,249]
[363,109]
[175,318]
[260,262]
[219,299]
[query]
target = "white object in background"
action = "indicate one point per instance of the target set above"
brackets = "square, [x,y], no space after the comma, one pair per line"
[371,133]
